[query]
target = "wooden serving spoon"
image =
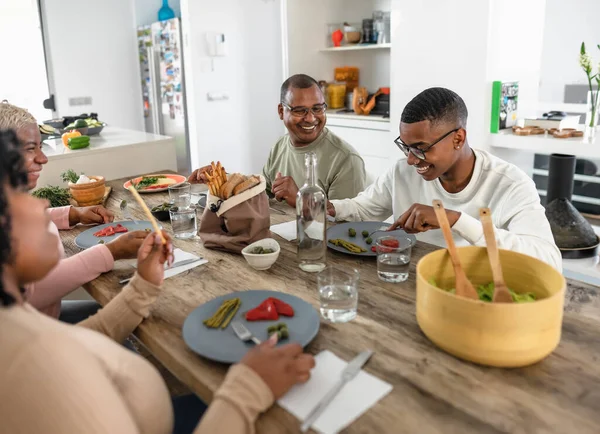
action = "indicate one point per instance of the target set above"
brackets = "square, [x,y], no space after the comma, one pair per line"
[501,292]
[464,287]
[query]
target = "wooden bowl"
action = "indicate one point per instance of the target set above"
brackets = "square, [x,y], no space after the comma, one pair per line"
[88,194]
[493,334]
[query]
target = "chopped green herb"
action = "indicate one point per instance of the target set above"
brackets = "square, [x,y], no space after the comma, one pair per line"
[57,196]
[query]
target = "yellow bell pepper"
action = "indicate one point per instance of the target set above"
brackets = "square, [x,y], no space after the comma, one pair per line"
[66,136]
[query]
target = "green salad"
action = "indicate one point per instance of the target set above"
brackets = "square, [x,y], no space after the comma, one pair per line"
[486,292]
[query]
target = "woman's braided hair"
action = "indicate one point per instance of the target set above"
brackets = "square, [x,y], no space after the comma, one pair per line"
[13,174]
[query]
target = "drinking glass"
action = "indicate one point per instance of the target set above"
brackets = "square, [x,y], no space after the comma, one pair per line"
[338,294]
[183,222]
[393,258]
[181,195]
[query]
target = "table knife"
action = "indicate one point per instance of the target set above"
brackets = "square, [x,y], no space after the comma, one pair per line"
[176,264]
[349,372]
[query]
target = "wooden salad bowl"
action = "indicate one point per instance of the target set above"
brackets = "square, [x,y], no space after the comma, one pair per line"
[89,194]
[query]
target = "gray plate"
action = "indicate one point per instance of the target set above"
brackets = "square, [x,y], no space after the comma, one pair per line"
[86,239]
[224,346]
[341,231]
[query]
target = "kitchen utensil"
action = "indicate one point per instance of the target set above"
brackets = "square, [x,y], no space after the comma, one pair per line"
[146,210]
[493,334]
[243,333]
[222,345]
[501,292]
[341,231]
[174,265]
[86,239]
[382,228]
[125,211]
[351,370]
[464,287]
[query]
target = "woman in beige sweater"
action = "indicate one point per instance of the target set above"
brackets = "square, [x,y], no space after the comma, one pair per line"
[59,378]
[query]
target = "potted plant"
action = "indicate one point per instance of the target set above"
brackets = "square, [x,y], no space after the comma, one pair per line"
[89,191]
[591,118]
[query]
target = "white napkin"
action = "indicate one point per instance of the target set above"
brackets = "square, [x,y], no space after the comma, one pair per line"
[285,230]
[356,397]
[288,230]
[179,255]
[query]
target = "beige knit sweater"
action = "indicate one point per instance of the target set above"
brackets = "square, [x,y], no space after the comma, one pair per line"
[57,378]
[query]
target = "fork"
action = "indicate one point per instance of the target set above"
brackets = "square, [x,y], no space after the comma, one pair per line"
[243,333]
[381,229]
[125,212]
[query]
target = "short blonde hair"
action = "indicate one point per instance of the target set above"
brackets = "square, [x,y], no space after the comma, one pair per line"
[13,117]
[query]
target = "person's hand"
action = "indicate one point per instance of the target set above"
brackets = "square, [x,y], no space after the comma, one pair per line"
[330,209]
[281,367]
[199,175]
[127,245]
[284,188]
[421,218]
[89,215]
[152,257]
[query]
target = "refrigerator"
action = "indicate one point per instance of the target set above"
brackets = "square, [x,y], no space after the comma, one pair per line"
[163,85]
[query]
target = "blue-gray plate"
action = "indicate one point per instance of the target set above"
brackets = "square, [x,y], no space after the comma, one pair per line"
[86,239]
[222,345]
[341,231]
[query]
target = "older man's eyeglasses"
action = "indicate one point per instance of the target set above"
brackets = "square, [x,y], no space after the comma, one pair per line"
[300,111]
[420,152]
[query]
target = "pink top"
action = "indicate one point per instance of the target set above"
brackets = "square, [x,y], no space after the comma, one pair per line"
[70,273]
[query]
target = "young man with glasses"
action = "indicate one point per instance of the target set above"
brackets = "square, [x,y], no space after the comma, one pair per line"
[340,169]
[440,165]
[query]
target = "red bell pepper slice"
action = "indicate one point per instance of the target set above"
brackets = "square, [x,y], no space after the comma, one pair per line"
[282,307]
[265,311]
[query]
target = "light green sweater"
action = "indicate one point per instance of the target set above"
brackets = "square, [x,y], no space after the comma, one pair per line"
[340,169]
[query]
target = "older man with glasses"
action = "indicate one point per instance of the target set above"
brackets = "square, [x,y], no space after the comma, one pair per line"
[442,166]
[340,169]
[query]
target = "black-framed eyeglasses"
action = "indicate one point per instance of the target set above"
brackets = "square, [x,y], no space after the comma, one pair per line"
[300,111]
[420,153]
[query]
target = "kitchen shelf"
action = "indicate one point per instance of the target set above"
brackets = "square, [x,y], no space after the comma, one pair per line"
[544,144]
[357,47]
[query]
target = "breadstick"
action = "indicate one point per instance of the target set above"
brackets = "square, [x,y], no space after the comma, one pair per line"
[147,211]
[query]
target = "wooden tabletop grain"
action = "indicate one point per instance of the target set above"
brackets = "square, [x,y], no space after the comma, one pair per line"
[433,391]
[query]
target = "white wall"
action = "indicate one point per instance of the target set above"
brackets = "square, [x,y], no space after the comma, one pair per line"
[23,80]
[567,24]
[239,131]
[441,43]
[146,11]
[93,52]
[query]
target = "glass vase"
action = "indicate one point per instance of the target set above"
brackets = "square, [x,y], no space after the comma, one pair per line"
[591,114]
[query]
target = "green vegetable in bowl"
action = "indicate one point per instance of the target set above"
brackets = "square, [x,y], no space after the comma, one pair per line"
[352,232]
[70,176]
[261,250]
[486,293]
[166,206]
[57,196]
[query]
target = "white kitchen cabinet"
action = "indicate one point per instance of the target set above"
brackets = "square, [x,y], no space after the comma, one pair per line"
[375,147]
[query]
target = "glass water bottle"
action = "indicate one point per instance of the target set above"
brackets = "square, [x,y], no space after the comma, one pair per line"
[311,220]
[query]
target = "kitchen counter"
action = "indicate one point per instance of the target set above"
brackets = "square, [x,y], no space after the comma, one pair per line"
[352,120]
[114,153]
[585,270]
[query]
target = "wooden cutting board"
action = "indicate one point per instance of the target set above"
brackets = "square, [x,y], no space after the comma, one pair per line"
[107,191]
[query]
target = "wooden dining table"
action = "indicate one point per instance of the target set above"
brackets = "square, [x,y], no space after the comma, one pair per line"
[432,390]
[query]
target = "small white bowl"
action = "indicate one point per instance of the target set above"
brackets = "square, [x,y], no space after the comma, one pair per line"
[262,261]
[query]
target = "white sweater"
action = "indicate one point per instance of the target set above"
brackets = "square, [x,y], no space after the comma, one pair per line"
[517,213]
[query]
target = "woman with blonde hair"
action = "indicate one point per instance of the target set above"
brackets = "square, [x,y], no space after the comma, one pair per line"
[70,273]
